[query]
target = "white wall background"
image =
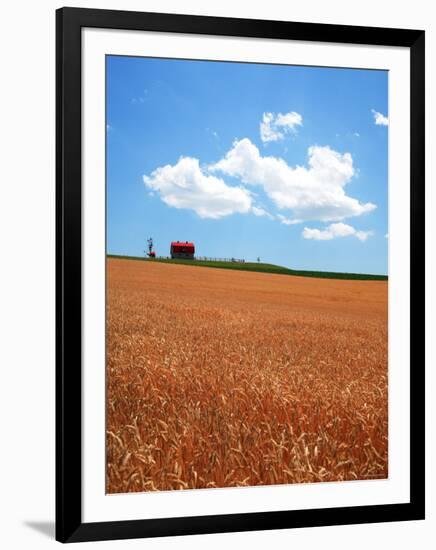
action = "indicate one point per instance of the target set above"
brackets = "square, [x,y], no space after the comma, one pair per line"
[27,240]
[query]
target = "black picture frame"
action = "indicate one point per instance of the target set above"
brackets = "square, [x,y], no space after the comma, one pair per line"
[69,525]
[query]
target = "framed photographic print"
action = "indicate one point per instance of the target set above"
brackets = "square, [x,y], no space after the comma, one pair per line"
[240,274]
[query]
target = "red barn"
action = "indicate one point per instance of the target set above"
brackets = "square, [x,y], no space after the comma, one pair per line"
[182,250]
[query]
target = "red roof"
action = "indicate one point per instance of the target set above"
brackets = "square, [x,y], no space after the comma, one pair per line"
[183,245]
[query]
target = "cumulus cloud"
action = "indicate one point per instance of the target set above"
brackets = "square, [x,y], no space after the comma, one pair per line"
[379,119]
[186,185]
[273,127]
[312,192]
[334,231]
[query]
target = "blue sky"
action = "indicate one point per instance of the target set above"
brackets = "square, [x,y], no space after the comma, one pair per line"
[284,163]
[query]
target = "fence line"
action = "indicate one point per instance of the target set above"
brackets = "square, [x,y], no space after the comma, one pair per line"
[207,259]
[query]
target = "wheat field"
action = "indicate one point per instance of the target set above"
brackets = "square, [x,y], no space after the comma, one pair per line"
[219,378]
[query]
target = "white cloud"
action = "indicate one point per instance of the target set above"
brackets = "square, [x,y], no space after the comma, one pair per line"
[315,192]
[258,211]
[267,133]
[334,231]
[185,185]
[363,235]
[287,221]
[379,119]
[274,127]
